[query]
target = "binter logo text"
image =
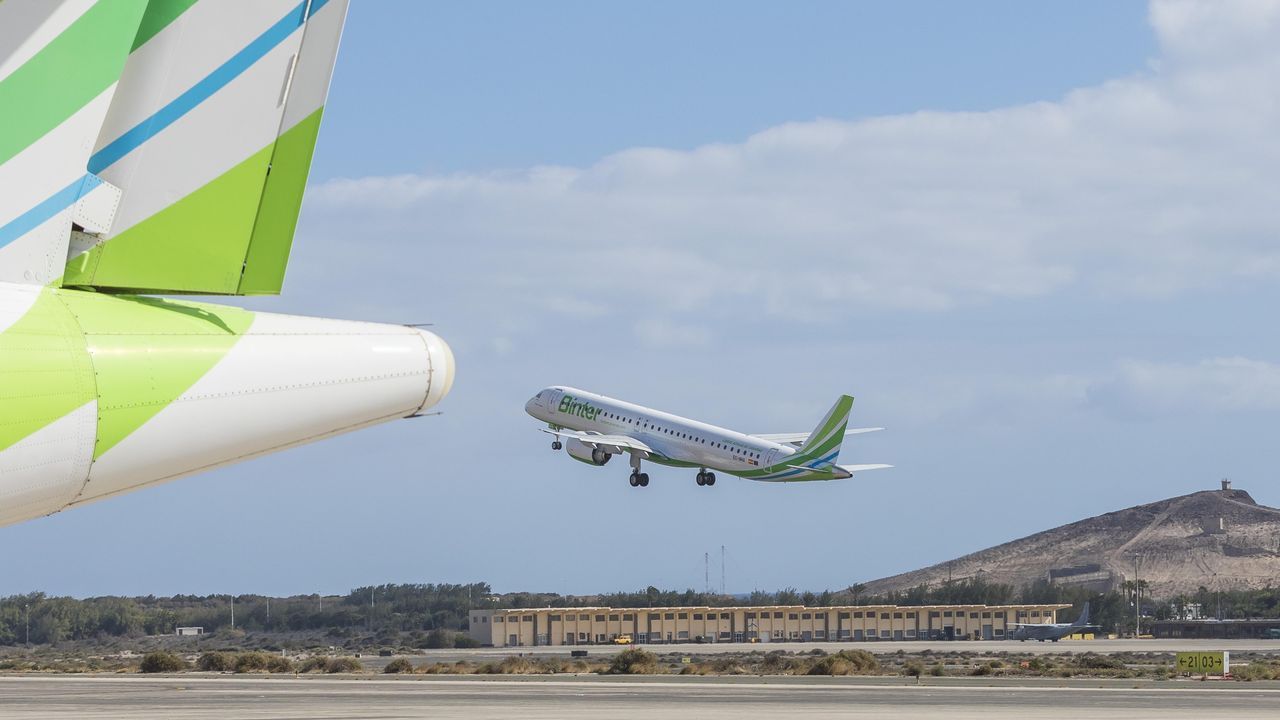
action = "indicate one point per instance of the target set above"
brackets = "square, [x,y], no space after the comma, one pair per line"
[572,406]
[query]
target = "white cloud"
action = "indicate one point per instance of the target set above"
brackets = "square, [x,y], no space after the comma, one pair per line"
[1232,384]
[1148,185]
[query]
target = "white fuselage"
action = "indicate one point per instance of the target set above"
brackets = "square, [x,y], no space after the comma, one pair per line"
[678,441]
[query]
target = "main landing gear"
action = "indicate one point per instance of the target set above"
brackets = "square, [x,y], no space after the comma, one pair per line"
[638,479]
[706,478]
[557,445]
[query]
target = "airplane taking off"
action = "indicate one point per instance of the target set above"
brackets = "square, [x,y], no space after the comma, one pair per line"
[1052,632]
[161,147]
[595,428]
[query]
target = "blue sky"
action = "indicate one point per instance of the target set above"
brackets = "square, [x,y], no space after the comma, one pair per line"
[1035,240]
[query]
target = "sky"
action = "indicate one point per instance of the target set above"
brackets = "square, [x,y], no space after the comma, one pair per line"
[1036,241]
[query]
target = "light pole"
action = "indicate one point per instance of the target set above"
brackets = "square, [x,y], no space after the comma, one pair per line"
[1137,598]
[26,609]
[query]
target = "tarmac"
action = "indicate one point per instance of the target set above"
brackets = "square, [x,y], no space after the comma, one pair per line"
[607,698]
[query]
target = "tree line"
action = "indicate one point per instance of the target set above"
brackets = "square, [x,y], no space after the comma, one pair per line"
[396,608]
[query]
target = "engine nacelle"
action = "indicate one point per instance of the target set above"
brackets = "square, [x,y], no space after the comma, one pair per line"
[582,452]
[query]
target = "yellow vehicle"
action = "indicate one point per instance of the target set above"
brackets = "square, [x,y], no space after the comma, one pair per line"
[622,640]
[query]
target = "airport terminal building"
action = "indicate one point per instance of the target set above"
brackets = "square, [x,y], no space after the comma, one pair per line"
[527,627]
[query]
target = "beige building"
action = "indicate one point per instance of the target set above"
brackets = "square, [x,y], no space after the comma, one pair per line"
[778,623]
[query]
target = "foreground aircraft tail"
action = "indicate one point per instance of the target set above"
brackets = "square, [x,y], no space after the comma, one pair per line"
[60,63]
[164,144]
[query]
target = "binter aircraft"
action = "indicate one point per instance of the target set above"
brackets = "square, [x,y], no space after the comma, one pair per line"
[593,428]
[156,148]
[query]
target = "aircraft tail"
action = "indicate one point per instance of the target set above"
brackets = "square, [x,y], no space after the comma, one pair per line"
[163,145]
[825,440]
[1084,617]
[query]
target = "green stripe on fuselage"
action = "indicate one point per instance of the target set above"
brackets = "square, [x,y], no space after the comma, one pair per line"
[44,370]
[147,352]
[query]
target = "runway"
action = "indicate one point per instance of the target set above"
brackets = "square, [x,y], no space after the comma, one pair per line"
[614,698]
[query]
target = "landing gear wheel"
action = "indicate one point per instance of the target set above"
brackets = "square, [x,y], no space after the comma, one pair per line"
[710,479]
[702,478]
[556,445]
[635,479]
[644,479]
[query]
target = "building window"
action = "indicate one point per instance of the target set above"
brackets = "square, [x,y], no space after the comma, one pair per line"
[613,618]
[986,615]
[884,616]
[934,613]
[628,618]
[973,615]
[792,616]
[499,619]
[819,635]
[527,618]
[778,615]
[805,616]
[724,616]
[599,618]
[655,616]
[1035,613]
[584,618]
[946,613]
[554,618]
[819,616]
[858,614]
[751,616]
[843,616]
[897,616]
[697,616]
[911,615]
[682,616]
[669,616]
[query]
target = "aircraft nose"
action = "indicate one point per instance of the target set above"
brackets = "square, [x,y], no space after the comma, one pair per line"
[531,407]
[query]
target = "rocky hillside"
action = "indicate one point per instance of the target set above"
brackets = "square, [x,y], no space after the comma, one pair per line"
[1220,539]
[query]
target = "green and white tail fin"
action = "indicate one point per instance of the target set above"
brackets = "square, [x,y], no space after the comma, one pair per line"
[187,176]
[824,442]
[60,63]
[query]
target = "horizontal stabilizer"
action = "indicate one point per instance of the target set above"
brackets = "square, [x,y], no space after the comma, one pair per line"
[799,439]
[860,468]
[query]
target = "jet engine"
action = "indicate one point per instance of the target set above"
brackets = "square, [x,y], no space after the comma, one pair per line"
[582,452]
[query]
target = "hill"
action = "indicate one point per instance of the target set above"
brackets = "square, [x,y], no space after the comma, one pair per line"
[1218,539]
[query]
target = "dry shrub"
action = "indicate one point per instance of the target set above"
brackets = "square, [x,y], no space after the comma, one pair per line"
[846,662]
[160,661]
[397,666]
[634,661]
[216,662]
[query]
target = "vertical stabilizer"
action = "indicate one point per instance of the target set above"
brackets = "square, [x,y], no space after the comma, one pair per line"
[60,63]
[209,140]
[825,440]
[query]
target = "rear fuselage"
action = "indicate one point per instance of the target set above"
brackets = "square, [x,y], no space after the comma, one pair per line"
[103,394]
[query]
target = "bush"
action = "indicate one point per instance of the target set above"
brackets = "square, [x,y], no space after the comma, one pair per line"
[846,662]
[251,662]
[215,662]
[314,664]
[437,639]
[280,664]
[633,661]
[984,669]
[399,665]
[465,642]
[1093,661]
[1256,670]
[913,669]
[343,665]
[938,670]
[160,661]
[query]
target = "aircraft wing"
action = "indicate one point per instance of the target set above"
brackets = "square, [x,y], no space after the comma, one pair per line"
[799,439]
[616,444]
